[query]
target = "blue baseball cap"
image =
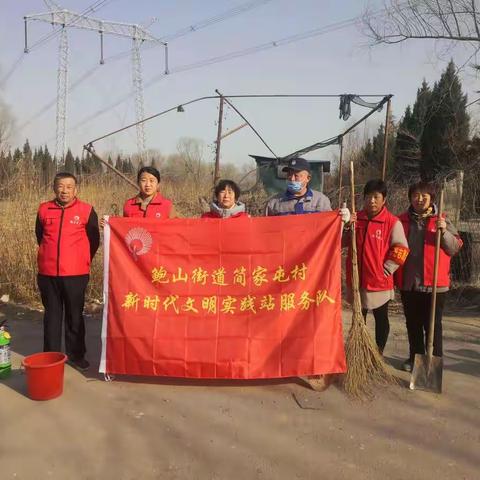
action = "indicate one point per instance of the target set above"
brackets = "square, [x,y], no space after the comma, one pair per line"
[297,164]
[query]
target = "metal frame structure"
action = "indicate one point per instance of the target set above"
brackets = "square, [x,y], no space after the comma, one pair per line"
[337,140]
[67,19]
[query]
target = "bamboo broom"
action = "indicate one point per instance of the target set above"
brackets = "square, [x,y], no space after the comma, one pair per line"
[365,366]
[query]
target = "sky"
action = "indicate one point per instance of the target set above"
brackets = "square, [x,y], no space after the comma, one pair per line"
[342,61]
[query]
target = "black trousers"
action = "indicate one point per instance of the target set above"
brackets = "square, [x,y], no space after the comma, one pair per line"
[382,325]
[64,297]
[417,306]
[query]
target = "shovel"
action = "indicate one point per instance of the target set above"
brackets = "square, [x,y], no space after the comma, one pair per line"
[428,369]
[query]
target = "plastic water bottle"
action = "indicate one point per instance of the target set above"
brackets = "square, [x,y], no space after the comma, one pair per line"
[5,355]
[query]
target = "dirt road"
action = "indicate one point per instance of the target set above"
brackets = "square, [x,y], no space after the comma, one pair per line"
[175,429]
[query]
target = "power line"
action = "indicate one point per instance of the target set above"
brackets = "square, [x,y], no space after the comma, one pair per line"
[262,47]
[222,58]
[265,46]
[53,102]
[94,7]
[471,103]
[236,54]
[242,8]
[14,66]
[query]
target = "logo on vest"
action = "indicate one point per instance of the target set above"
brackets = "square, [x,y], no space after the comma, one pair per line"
[158,214]
[75,220]
[378,234]
[138,241]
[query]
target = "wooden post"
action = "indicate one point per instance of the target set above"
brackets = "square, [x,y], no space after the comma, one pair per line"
[233,130]
[385,139]
[340,173]
[459,184]
[218,142]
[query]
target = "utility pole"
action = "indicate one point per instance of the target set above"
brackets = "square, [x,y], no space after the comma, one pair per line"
[219,141]
[385,139]
[67,19]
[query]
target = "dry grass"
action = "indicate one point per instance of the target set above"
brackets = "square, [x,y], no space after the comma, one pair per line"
[107,194]
[18,250]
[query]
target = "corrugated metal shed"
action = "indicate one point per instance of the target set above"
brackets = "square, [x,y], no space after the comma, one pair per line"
[269,172]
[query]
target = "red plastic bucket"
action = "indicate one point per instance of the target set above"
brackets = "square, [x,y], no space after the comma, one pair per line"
[44,375]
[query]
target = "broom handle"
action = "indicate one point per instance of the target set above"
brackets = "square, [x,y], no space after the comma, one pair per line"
[352,186]
[340,173]
[438,236]
[357,303]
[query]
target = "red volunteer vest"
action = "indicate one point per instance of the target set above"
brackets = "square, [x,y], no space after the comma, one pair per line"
[373,243]
[159,207]
[428,255]
[64,249]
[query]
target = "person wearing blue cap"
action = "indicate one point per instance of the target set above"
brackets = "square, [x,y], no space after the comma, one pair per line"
[299,199]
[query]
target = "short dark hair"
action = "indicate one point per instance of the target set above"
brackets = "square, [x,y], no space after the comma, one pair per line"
[373,186]
[151,170]
[62,175]
[423,187]
[223,184]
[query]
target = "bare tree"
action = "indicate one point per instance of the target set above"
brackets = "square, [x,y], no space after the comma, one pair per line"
[456,20]
[6,127]
[191,152]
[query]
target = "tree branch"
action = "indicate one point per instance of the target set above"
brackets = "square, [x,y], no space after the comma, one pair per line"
[453,20]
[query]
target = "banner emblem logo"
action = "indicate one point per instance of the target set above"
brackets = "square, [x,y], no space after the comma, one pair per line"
[139,242]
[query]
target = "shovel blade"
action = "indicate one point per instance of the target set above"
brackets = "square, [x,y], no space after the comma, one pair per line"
[427,373]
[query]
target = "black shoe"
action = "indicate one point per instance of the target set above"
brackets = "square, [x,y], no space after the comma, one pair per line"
[407,365]
[81,364]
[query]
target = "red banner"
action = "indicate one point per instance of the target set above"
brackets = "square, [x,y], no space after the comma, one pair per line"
[237,298]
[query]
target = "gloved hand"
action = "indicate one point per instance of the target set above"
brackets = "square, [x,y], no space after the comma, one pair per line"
[344,212]
[389,268]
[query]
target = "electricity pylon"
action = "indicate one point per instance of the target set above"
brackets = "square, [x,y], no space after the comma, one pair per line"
[67,19]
